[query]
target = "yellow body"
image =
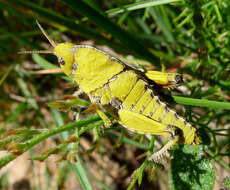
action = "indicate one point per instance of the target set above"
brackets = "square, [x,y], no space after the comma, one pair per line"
[128,95]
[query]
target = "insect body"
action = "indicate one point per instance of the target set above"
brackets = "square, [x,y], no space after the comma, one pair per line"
[125,93]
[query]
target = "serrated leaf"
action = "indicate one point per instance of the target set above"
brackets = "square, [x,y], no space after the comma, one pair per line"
[190,169]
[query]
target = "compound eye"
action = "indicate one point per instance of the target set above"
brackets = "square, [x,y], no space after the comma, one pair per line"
[61,61]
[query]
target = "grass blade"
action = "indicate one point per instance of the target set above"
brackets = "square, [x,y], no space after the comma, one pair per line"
[43,63]
[139,5]
[127,39]
[81,175]
[158,14]
[81,29]
[201,102]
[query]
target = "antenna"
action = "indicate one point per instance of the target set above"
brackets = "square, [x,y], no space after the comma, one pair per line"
[35,51]
[46,35]
[41,51]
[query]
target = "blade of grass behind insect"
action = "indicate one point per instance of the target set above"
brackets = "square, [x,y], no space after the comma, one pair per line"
[3,78]
[80,172]
[26,92]
[146,29]
[22,34]
[14,114]
[4,182]
[94,5]
[97,180]
[201,102]
[138,5]
[59,122]
[63,173]
[81,29]
[22,39]
[42,62]
[132,44]
[128,141]
[161,18]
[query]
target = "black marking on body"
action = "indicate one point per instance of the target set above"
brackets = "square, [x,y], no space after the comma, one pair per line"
[142,109]
[73,69]
[132,106]
[176,115]
[167,108]
[158,100]
[74,66]
[150,114]
[185,122]
[95,99]
[113,78]
[152,94]
[158,103]
[116,103]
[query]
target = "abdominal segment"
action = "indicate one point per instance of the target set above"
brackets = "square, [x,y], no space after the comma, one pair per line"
[138,108]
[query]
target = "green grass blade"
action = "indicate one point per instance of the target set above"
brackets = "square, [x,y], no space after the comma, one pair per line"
[42,62]
[15,113]
[81,175]
[3,78]
[162,20]
[201,102]
[27,93]
[125,38]
[59,122]
[139,5]
[128,141]
[63,174]
[81,29]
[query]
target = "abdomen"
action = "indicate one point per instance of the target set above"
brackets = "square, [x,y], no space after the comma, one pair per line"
[127,91]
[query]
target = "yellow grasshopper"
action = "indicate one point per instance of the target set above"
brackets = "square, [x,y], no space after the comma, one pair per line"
[126,93]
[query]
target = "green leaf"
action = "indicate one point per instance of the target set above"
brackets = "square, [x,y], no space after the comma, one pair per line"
[190,169]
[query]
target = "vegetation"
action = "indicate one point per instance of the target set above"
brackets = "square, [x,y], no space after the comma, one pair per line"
[190,37]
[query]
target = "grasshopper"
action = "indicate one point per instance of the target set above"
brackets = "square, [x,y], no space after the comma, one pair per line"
[125,92]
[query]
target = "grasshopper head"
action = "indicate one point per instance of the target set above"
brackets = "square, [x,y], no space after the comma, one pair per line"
[62,51]
[65,57]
